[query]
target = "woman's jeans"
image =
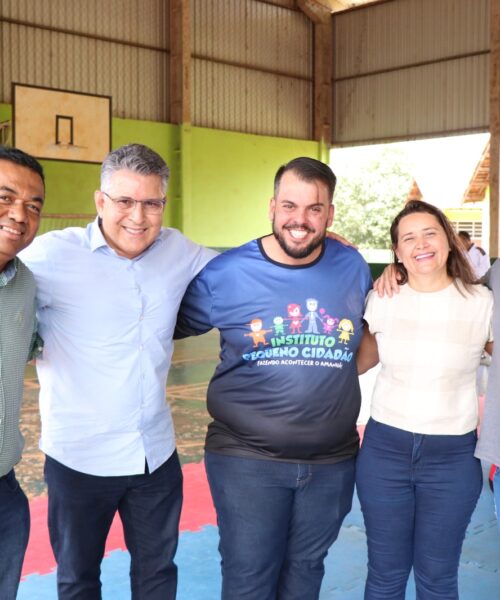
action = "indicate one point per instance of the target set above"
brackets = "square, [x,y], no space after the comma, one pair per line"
[417,494]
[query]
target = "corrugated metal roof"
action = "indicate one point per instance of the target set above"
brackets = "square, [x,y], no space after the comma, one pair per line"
[411,69]
[114,48]
[252,68]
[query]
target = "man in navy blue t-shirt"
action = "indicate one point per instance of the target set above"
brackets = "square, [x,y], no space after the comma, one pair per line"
[285,397]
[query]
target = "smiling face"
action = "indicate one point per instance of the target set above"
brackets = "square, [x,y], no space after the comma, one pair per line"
[132,232]
[21,200]
[256,325]
[312,304]
[423,248]
[300,213]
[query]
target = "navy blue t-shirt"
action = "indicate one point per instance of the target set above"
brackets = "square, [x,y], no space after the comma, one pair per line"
[286,387]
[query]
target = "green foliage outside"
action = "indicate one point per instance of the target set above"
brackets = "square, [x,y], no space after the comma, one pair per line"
[372,187]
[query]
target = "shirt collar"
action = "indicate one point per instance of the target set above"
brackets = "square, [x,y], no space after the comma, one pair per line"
[8,273]
[97,239]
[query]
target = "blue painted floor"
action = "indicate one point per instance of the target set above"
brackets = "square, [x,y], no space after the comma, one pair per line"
[197,558]
[199,578]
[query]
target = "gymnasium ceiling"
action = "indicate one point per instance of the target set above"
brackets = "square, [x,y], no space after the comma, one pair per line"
[336,5]
[320,11]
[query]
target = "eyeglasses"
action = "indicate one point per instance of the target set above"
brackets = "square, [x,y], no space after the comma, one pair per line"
[125,204]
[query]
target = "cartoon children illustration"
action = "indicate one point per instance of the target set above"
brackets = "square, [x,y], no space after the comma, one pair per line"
[295,318]
[279,325]
[312,315]
[347,329]
[258,334]
[329,323]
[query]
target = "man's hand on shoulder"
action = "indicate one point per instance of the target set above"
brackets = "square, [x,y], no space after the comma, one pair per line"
[387,283]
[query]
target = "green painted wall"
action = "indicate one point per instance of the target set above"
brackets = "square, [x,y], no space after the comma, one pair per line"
[231,177]
[5,112]
[220,183]
[70,187]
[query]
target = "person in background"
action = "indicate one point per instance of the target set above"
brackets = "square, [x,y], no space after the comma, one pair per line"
[479,260]
[488,446]
[417,478]
[284,399]
[22,191]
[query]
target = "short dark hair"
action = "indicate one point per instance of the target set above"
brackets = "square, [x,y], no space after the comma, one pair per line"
[22,159]
[307,169]
[457,265]
[465,235]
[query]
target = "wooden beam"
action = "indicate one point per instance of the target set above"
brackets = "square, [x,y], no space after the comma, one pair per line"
[315,10]
[320,13]
[336,5]
[180,62]
[494,128]
[290,4]
[331,5]
[321,16]
[323,94]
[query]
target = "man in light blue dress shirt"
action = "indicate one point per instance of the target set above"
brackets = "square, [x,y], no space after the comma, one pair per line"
[107,300]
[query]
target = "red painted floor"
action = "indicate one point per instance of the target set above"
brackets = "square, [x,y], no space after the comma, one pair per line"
[197,511]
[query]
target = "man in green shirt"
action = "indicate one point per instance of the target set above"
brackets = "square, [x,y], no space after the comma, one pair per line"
[21,199]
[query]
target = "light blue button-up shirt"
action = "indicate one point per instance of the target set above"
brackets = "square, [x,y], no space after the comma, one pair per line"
[107,322]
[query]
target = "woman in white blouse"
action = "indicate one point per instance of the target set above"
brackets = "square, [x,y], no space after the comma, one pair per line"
[417,479]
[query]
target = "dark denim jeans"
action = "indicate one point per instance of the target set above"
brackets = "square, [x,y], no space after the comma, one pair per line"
[14,533]
[81,510]
[276,521]
[417,494]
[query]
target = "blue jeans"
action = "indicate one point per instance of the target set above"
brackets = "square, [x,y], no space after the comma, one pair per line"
[14,533]
[417,494]
[81,510]
[276,521]
[496,491]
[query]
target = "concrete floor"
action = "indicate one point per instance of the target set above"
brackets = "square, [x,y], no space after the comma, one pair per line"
[197,558]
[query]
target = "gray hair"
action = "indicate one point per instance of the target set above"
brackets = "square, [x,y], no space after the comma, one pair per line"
[136,158]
